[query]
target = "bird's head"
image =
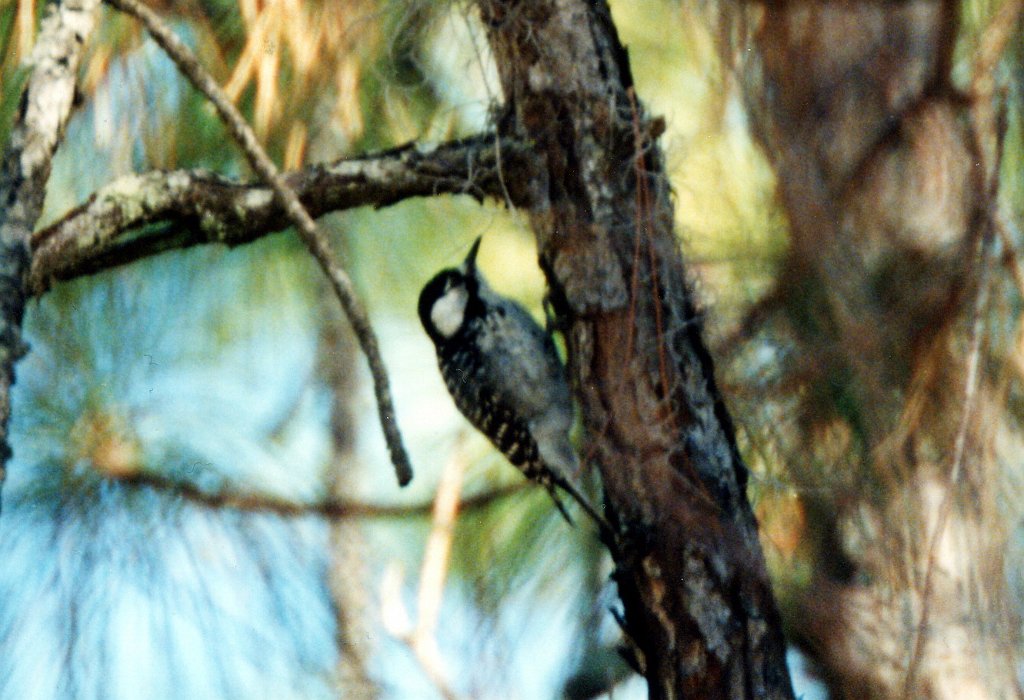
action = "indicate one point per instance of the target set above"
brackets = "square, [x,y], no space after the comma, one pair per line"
[450,298]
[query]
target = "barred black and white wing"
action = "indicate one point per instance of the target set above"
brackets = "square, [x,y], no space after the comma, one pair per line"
[467,376]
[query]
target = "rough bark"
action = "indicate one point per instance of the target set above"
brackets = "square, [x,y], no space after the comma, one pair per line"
[44,111]
[698,604]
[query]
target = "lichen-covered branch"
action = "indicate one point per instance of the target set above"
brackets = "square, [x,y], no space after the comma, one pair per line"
[145,214]
[39,126]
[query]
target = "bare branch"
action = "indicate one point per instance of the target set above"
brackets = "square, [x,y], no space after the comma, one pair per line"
[39,126]
[988,118]
[315,241]
[330,508]
[986,245]
[994,39]
[142,215]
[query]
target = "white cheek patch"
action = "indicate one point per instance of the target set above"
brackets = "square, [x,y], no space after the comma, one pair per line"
[448,311]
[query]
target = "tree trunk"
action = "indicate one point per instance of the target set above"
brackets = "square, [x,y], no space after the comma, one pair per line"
[25,169]
[698,604]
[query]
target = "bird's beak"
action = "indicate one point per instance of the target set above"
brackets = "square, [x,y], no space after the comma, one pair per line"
[469,265]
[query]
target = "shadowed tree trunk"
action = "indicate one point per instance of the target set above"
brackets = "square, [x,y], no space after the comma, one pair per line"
[698,605]
[888,174]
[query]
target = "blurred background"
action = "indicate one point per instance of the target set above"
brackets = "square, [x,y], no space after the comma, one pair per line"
[232,371]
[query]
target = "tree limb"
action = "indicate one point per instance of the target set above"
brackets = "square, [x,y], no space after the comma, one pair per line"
[142,215]
[38,128]
[315,241]
[330,508]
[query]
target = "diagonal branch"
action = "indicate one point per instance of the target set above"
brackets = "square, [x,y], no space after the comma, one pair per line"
[25,169]
[142,215]
[314,239]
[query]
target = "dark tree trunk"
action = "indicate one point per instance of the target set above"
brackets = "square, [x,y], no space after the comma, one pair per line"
[698,602]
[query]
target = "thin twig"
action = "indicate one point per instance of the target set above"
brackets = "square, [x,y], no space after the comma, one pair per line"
[1010,254]
[330,508]
[434,571]
[1001,28]
[315,241]
[970,400]
[988,131]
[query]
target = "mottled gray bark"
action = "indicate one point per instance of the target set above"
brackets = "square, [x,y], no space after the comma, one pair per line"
[39,126]
[698,604]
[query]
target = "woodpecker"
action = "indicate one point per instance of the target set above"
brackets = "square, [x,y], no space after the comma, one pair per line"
[503,372]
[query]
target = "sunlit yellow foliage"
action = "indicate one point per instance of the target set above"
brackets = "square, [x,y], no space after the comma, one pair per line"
[319,38]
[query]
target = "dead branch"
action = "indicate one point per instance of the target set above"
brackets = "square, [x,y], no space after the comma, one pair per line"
[970,401]
[315,241]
